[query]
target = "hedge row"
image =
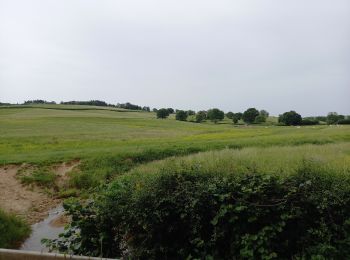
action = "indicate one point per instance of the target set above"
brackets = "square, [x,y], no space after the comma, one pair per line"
[187,214]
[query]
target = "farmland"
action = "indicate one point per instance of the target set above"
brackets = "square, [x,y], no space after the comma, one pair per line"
[71,150]
[60,133]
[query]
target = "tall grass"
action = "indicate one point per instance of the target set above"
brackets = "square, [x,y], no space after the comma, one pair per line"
[272,160]
[13,230]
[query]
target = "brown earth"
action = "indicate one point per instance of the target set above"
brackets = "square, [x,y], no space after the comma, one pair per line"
[30,202]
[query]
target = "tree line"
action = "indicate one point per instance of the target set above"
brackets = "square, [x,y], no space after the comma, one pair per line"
[251,116]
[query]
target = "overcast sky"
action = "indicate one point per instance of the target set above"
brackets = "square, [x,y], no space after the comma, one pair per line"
[193,54]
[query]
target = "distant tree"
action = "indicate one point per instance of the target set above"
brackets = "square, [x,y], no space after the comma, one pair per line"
[146,109]
[290,118]
[320,118]
[264,113]
[229,115]
[334,118]
[170,110]
[190,112]
[38,101]
[306,121]
[154,110]
[215,115]
[201,116]
[162,113]
[249,115]
[260,119]
[181,115]
[236,117]
[130,106]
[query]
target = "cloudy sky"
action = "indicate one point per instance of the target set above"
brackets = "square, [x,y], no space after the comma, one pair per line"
[194,54]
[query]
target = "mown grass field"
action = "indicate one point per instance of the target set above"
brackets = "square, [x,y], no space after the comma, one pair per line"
[46,134]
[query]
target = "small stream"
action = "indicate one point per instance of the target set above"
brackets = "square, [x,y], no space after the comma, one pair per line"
[44,229]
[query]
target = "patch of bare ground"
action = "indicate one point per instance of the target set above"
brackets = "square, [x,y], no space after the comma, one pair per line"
[30,202]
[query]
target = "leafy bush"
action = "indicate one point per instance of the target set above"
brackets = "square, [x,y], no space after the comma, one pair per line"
[12,230]
[344,122]
[162,113]
[290,118]
[184,211]
[181,115]
[215,115]
[309,122]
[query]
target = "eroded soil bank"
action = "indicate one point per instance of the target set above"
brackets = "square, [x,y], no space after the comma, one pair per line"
[32,203]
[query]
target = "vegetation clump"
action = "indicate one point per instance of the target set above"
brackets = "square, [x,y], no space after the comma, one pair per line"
[225,207]
[290,118]
[13,230]
[215,115]
[181,115]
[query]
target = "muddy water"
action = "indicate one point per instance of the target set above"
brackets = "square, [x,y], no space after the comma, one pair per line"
[48,228]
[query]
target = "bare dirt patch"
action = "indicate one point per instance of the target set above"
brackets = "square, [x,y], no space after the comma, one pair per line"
[30,202]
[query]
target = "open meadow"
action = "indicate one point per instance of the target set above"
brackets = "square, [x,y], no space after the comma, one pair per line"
[50,153]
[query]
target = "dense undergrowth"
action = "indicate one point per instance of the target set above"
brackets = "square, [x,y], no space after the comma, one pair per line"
[13,230]
[255,203]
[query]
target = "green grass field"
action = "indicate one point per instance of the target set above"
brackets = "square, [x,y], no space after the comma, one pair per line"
[51,133]
[110,142]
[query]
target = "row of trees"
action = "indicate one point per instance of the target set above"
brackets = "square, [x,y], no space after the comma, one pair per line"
[126,105]
[215,115]
[251,116]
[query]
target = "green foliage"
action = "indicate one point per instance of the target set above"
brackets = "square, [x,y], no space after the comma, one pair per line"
[334,118]
[190,112]
[201,116]
[13,230]
[43,177]
[215,115]
[162,113]
[249,115]
[170,110]
[236,117]
[264,113]
[260,119]
[290,118]
[309,122]
[181,115]
[344,122]
[230,115]
[184,209]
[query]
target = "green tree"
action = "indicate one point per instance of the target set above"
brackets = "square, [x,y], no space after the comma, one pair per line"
[190,112]
[201,116]
[236,117]
[334,118]
[181,115]
[162,113]
[290,118]
[170,110]
[249,115]
[229,115]
[215,115]
[260,119]
[264,113]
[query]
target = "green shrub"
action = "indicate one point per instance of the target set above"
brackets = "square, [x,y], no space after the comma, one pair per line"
[186,212]
[344,122]
[13,230]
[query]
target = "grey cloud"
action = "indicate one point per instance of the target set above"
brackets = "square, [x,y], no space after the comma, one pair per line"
[276,55]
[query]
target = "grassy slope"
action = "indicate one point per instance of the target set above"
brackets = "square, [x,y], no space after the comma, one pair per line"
[35,135]
[333,158]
